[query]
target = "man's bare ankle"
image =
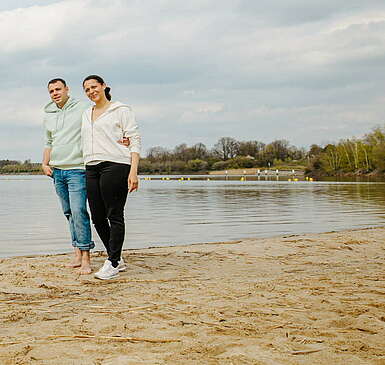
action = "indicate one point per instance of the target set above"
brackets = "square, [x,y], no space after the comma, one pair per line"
[85,269]
[74,264]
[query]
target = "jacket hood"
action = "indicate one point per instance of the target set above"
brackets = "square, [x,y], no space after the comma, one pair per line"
[114,105]
[53,108]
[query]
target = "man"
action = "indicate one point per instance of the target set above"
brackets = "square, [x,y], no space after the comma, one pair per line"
[63,161]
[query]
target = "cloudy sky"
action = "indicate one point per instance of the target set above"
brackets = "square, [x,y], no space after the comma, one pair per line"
[306,71]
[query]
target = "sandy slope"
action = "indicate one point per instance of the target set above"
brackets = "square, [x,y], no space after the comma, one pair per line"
[309,299]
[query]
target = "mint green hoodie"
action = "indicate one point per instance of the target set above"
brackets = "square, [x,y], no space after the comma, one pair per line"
[62,133]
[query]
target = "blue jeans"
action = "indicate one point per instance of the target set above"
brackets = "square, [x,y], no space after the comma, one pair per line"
[70,187]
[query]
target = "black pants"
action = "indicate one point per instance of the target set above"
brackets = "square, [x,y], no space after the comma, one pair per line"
[107,189]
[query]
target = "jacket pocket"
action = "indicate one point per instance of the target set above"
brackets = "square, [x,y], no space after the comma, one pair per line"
[68,154]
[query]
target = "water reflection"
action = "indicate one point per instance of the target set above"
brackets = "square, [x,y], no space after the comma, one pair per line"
[180,212]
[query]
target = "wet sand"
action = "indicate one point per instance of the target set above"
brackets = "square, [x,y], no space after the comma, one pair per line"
[305,299]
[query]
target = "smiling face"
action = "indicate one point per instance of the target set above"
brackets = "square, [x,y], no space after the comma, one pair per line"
[58,93]
[94,90]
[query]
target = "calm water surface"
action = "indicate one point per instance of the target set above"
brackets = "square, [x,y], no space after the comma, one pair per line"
[174,212]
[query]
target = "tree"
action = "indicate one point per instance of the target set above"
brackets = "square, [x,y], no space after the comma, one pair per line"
[296,153]
[250,148]
[226,148]
[158,154]
[378,154]
[182,152]
[199,151]
[197,165]
[315,150]
[279,149]
[331,159]
[8,162]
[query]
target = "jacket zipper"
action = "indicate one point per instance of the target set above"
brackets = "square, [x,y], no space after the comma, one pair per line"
[92,136]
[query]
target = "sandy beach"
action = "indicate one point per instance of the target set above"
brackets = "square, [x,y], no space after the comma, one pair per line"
[303,299]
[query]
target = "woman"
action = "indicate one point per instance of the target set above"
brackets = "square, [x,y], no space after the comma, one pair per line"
[111,168]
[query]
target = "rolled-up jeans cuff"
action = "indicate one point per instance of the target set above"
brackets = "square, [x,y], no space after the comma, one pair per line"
[85,246]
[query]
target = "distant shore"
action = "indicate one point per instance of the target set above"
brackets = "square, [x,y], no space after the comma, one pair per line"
[230,172]
[291,300]
[255,172]
[260,172]
[284,171]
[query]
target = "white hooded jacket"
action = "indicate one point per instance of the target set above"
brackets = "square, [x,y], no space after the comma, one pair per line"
[100,138]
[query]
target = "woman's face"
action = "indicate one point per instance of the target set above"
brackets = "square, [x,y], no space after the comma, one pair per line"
[94,90]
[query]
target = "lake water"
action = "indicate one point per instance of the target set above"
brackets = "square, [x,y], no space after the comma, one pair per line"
[176,212]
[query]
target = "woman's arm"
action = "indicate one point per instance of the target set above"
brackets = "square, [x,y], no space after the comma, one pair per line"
[130,129]
[133,182]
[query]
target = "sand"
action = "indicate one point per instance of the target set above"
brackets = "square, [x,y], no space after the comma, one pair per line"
[303,299]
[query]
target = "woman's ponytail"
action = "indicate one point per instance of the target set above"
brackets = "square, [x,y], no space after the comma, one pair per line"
[107,92]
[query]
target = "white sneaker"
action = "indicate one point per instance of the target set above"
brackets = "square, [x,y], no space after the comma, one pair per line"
[122,265]
[103,268]
[109,272]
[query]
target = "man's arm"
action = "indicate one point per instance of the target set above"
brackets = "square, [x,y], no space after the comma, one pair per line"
[125,141]
[45,164]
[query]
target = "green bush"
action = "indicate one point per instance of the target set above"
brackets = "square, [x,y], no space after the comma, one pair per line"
[196,165]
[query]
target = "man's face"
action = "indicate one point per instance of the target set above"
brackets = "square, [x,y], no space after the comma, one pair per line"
[58,93]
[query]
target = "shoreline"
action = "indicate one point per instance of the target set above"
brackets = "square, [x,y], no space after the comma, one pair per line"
[98,253]
[233,241]
[315,298]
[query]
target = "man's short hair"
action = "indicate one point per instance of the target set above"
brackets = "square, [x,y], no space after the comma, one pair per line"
[53,81]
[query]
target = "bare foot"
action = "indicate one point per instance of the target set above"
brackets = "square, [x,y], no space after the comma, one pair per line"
[74,264]
[85,270]
[77,260]
[85,267]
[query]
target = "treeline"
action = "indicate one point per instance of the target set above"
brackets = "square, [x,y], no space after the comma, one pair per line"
[227,153]
[18,167]
[350,156]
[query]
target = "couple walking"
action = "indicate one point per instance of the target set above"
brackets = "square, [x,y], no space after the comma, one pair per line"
[92,152]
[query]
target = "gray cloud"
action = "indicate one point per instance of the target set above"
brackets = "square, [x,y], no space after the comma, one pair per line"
[15,4]
[297,12]
[194,71]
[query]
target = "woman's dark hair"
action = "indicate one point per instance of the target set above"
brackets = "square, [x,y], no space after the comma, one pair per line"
[100,81]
